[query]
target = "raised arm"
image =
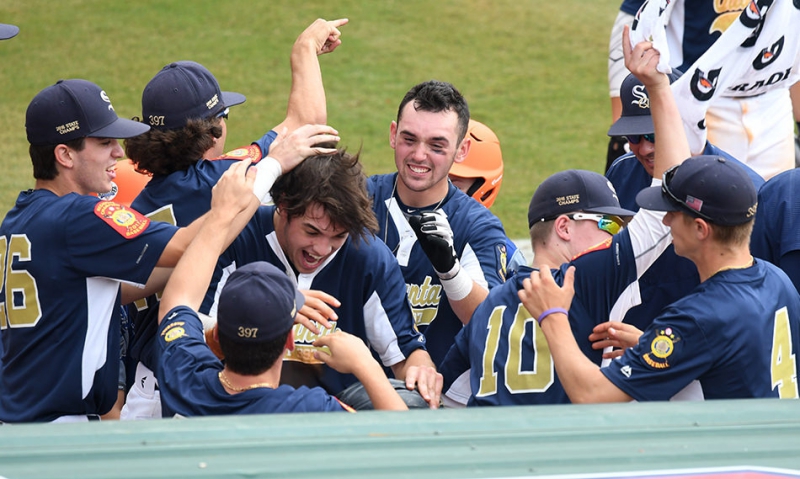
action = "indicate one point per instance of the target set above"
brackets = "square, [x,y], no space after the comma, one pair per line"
[232,205]
[671,145]
[307,103]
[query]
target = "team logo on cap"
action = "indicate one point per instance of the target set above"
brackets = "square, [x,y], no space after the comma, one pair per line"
[127,222]
[661,348]
[767,56]
[106,99]
[640,97]
[703,85]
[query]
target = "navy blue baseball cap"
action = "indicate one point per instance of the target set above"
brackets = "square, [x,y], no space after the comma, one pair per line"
[574,190]
[706,186]
[635,118]
[182,91]
[258,303]
[73,109]
[8,31]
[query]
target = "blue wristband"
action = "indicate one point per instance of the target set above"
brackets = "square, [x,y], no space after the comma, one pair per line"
[550,311]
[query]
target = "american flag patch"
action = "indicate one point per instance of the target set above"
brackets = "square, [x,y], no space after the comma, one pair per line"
[694,203]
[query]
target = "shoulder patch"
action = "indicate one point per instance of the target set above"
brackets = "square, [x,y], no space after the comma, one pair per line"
[661,348]
[600,246]
[252,152]
[173,331]
[127,222]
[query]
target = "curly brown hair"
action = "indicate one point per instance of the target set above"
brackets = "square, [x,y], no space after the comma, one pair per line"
[337,183]
[163,152]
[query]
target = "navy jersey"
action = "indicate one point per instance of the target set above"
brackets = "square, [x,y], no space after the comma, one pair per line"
[775,237]
[64,260]
[503,346]
[738,333]
[178,199]
[479,242]
[671,276]
[188,378]
[363,275]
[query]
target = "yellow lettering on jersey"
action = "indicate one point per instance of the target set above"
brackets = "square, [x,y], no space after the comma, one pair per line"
[304,344]
[424,301]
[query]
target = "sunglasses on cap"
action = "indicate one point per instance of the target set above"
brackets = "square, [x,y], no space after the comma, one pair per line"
[224,113]
[635,139]
[690,203]
[611,224]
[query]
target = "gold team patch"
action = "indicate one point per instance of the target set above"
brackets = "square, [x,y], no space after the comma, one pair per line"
[174,331]
[661,348]
[252,152]
[125,221]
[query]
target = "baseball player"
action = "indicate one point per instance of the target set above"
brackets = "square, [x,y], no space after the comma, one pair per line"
[6,32]
[450,249]
[671,276]
[757,128]
[737,333]
[183,152]
[575,219]
[257,311]
[322,238]
[67,253]
[774,235]
[480,176]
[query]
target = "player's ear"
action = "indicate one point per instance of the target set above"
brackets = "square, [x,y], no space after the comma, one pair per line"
[63,155]
[463,149]
[393,134]
[561,227]
[701,228]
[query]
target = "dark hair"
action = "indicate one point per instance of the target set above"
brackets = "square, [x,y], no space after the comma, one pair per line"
[163,152]
[337,183]
[252,359]
[436,96]
[43,158]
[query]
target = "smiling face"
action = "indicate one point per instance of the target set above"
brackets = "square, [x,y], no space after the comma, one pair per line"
[645,152]
[425,146]
[94,167]
[309,240]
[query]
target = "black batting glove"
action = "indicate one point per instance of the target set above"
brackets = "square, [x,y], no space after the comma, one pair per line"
[436,238]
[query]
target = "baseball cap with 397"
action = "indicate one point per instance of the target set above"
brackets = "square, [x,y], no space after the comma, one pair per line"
[258,303]
[73,109]
[183,91]
[574,190]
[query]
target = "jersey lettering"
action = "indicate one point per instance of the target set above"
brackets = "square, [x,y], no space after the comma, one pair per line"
[518,379]
[783,367]
[20,306]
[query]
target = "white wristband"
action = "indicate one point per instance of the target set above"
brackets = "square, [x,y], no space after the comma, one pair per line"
[458,287]
[267,171]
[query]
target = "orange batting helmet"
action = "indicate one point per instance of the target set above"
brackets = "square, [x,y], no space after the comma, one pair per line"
[129,182]
[484,163]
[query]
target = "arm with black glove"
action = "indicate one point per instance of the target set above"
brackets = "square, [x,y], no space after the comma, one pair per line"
[436,238]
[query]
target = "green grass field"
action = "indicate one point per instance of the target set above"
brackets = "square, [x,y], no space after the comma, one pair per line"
[535,72]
